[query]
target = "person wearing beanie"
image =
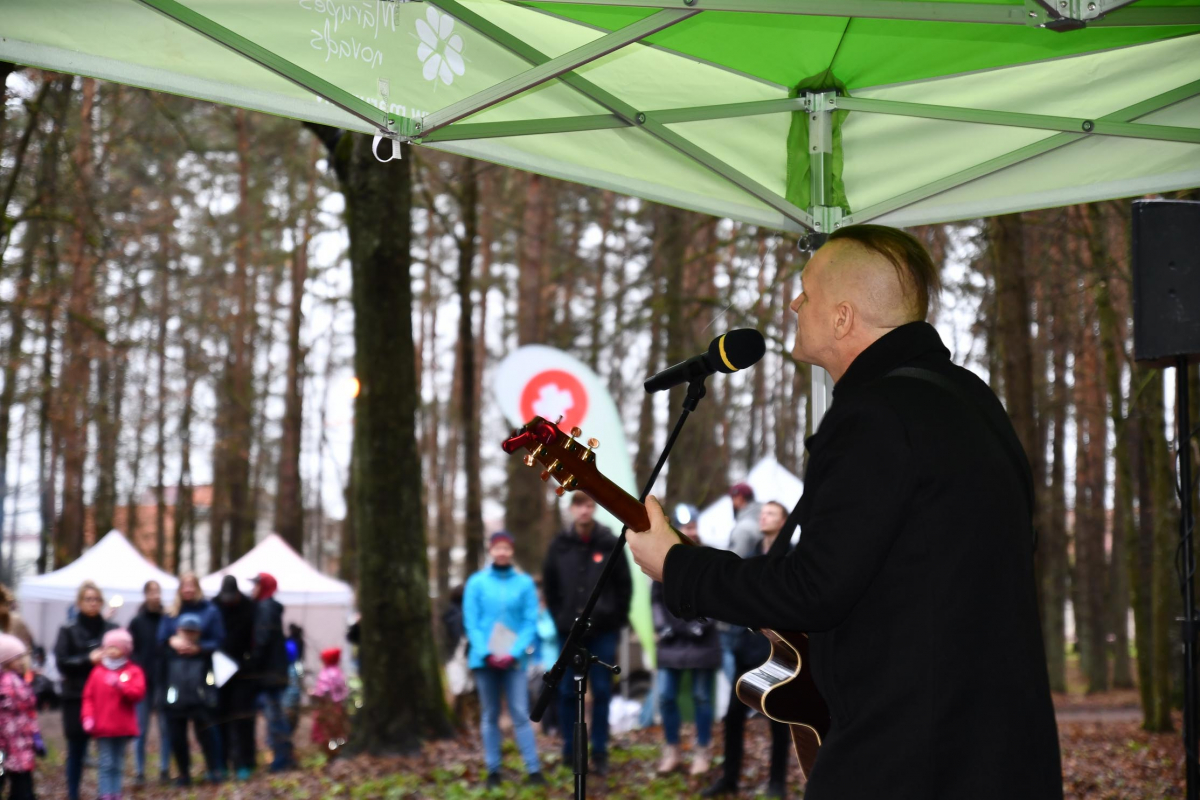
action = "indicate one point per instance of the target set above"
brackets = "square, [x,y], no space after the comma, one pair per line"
[76,652]
[500,609]
[269,664]
[20,738]
[109,711]
[188,694]
[238,705]
[329,697]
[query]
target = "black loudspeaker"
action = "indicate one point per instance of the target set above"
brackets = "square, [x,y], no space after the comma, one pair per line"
[1166,280]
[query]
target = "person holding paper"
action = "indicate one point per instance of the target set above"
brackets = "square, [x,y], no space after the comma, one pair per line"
[500,609]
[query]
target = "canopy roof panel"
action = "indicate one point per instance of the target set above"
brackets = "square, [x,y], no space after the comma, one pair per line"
[793,114]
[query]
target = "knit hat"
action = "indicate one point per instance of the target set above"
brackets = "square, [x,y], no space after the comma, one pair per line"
[742,490]
[501,536]
[267,585]
[190,622]
[229,591]
[10,647]
[120,639]
[331,656]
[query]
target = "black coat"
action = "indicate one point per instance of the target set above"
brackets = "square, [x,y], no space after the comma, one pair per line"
[268,656]
[72,652]
[146,650]
[683,644]
[569,573]
[238,644]
[914,578]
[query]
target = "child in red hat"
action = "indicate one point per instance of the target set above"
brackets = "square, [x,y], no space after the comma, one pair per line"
[114,688]
[330,727]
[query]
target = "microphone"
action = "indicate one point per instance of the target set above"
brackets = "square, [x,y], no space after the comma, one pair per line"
[728,352]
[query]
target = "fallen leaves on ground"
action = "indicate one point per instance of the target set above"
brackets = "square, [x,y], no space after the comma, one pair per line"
[1102,760]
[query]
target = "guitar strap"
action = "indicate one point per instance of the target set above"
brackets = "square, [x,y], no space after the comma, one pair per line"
[1004,433]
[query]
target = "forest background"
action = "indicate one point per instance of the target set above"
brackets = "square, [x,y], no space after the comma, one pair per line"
[192,295]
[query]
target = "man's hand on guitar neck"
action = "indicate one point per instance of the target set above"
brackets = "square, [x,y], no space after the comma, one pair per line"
[650,547]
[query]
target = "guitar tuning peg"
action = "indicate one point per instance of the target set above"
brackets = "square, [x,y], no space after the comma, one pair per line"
[576,432]
[529,460]
[593,443]
[545,475]
[560,491]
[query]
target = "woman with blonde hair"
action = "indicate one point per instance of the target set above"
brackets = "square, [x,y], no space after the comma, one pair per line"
[76,652]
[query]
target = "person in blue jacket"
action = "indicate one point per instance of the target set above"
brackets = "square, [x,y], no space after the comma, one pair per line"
[500,610]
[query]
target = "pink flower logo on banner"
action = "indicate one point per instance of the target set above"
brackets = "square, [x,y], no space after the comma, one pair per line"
[553,394]
[439,51]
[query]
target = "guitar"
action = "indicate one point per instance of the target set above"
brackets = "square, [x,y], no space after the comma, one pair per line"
[781,689]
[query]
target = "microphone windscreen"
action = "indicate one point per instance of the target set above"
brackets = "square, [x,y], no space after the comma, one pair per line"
[737,350]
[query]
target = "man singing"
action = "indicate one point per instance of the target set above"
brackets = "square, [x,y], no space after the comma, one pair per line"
[914,571]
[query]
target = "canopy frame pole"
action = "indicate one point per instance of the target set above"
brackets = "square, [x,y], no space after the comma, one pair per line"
[388,124]
[983,13]
[963,177]
[594,122]
[1015,119]
[549,70]
[826,215]
[629,114]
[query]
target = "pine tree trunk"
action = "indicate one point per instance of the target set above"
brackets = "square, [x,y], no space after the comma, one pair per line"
[525,509]
[469,371]
[1052,545]
[184,520]
[403,703]
[1123,522]
[1164,587]
[72,415]
[289,502]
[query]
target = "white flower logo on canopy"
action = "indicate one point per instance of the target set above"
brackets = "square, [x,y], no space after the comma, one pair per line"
[440,52]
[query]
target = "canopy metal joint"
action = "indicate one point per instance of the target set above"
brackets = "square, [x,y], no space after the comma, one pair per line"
[820,107]
[1069,15]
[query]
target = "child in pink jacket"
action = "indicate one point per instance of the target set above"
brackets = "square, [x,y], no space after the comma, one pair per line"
[20,740]
[109,714]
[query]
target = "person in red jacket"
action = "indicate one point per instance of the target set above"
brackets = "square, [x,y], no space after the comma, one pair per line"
[109,713]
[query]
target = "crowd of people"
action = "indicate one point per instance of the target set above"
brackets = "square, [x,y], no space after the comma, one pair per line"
[511,624]
[208,666]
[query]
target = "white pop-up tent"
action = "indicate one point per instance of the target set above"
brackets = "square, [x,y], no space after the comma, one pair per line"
[113,564]
[319,604]
[770,480]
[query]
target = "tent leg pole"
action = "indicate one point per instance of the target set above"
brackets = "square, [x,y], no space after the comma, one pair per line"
[826,216]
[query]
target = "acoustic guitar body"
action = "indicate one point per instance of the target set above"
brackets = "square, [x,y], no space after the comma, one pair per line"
[782,689]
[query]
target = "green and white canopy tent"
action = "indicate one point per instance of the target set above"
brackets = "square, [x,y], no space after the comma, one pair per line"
[791,114]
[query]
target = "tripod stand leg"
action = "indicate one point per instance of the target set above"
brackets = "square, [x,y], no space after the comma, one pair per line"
[581,734]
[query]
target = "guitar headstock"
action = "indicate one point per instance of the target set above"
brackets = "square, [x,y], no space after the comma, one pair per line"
[561,456]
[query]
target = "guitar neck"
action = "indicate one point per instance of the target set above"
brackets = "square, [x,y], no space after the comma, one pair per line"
[618,502]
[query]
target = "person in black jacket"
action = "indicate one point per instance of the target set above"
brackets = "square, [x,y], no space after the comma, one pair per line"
[573,563]
[269,664]
[76,651]
[144,630]
[188,694]
[684,647]
[914,572]
[751,649]
[237,708]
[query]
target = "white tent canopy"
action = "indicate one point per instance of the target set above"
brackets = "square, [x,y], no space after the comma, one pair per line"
[770,481]
[319,604]
[113,564]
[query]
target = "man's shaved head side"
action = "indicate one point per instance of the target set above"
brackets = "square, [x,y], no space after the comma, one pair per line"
[891,302]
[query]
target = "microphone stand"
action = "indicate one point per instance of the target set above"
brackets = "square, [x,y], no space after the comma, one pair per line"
[574,652]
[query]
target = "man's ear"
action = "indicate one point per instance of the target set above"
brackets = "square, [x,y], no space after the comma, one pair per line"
[843,320]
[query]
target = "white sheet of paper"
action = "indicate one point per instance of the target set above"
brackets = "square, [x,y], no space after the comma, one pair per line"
[224,668]
[502,639]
